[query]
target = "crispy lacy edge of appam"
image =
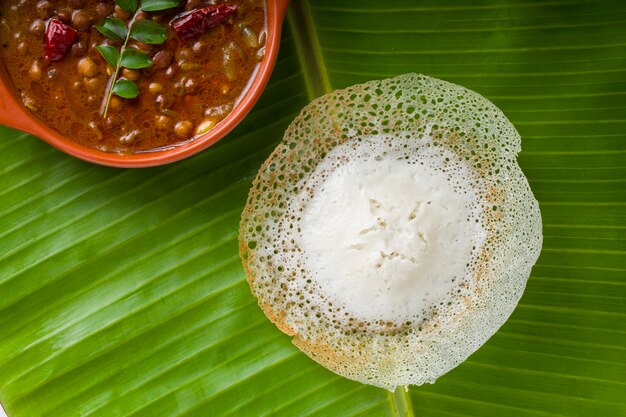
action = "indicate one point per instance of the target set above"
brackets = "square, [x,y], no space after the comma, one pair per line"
[422,111]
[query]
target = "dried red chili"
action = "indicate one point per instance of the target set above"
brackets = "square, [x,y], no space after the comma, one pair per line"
[59,39]
[199,21]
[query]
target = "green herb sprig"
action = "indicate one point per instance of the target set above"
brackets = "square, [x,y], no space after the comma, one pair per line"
[145,31]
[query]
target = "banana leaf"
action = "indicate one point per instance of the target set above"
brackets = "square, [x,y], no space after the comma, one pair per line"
[122,293]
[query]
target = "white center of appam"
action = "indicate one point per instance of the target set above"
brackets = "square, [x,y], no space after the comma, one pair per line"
[387,235]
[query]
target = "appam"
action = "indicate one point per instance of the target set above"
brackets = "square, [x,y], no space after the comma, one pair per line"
[392,232]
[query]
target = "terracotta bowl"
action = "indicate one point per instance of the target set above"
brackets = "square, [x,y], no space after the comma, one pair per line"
[15,115]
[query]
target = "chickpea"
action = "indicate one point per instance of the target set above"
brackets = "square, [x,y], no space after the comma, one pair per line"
[130,74]
[87,68]
[44,9]
[38,27]
[115,104]
[77,85]
[162,59]
[163,122]
[81,20]
[103,10]
[142,46]
[64,14]
[141,16]
[183,53]
[79,48]
[155,88]
[199,48]
[92,84]
[121,13]
[172,44]
[183,129]
[186,66]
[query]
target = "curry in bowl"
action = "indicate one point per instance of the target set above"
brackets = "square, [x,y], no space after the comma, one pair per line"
[131,76]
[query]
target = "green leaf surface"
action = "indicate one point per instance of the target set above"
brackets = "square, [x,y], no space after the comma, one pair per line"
[156,5]
[135,59]
[147,31]
[129,6]
[122,290]
[110,54]
[126,88]
[113,28]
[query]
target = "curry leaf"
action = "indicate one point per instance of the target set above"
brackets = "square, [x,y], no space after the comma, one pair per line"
[113,28]
[156,5]
[126,88]
[135,59]
[147,31]
[109,53]
[129,6]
